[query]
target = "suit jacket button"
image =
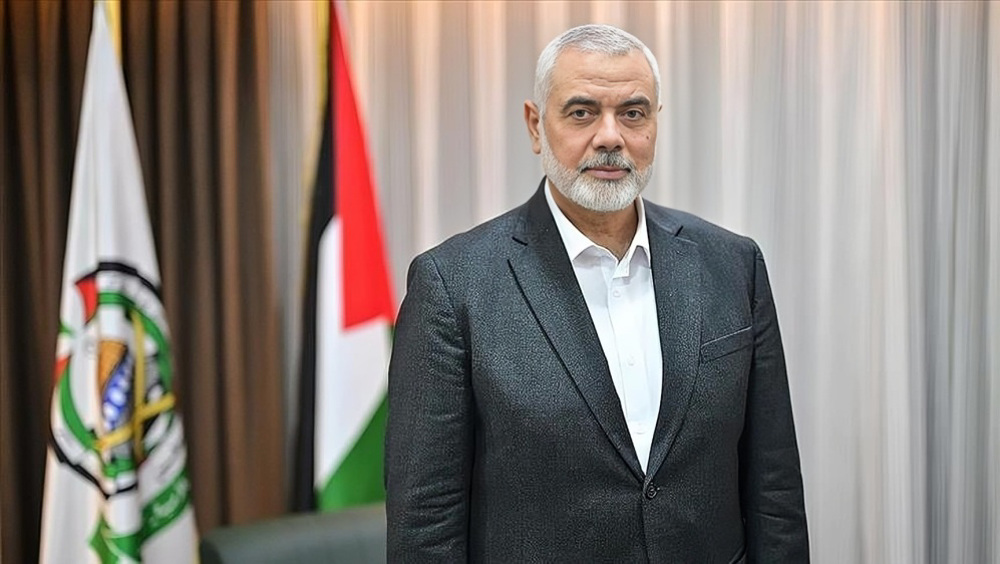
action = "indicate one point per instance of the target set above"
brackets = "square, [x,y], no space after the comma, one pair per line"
[651,491]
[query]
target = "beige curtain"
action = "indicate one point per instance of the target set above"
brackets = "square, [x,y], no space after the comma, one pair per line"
[196,75]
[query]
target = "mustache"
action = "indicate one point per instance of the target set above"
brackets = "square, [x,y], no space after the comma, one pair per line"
[607,159]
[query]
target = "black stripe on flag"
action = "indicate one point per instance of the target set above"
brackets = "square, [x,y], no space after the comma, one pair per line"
[323,204]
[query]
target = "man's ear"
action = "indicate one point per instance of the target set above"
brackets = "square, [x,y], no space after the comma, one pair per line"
[532,120]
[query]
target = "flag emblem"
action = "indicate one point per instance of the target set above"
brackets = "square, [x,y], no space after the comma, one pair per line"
[115,342]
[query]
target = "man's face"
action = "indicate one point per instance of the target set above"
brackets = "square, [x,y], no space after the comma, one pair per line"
[598,136]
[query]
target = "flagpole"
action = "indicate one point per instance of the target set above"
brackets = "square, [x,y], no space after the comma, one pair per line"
[113,11]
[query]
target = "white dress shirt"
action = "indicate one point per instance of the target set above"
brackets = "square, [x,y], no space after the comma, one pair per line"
[620,298]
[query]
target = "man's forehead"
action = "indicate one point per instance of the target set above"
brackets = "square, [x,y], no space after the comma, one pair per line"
[578,68]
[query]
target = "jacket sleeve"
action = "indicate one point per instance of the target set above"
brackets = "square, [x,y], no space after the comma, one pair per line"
[429,433]
[770,478]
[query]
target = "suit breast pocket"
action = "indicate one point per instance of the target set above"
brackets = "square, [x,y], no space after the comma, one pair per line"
[719,398]
[726,345]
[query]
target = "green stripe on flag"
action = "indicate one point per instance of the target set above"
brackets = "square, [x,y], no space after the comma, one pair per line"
[112,547]
[167,506]
[358,480]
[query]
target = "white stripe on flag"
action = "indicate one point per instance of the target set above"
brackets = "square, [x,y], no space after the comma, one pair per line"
[351,364]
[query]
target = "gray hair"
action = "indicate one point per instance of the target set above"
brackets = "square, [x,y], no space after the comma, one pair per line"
[591,38]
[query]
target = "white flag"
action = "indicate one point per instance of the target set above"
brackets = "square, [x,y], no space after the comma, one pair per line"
[116,485]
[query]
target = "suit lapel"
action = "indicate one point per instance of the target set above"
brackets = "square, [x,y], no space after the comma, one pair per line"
[545,275]
[677,287]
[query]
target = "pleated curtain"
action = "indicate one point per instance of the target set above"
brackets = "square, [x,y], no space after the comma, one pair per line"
[858,143]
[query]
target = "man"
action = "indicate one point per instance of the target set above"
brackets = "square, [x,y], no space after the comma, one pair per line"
[591,377]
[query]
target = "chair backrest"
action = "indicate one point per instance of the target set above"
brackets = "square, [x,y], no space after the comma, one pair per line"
[349,536]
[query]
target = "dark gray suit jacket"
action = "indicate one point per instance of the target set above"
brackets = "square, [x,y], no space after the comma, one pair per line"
[506,441]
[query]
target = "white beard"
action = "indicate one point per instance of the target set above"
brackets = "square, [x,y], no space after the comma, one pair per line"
[595,194]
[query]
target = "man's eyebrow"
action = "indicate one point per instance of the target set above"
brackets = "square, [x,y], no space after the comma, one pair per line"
[637,101]
[580,101]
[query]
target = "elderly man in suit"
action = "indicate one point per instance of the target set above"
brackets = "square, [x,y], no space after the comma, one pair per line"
[591,377]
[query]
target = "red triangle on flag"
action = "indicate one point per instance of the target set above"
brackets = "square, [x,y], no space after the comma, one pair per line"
[366,286]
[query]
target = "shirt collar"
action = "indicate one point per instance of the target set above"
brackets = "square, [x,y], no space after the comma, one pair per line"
[576,242]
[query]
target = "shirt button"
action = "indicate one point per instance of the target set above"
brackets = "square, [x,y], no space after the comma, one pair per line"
[630,360]
[617,293]
[651,491]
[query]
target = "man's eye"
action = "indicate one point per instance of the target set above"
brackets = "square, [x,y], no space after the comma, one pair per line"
[633,114]
[579,114]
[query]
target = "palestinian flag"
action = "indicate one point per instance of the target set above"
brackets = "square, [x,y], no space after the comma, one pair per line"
[116,485]
[349,312]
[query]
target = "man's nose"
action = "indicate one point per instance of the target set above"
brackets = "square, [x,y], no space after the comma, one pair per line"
[608,136]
